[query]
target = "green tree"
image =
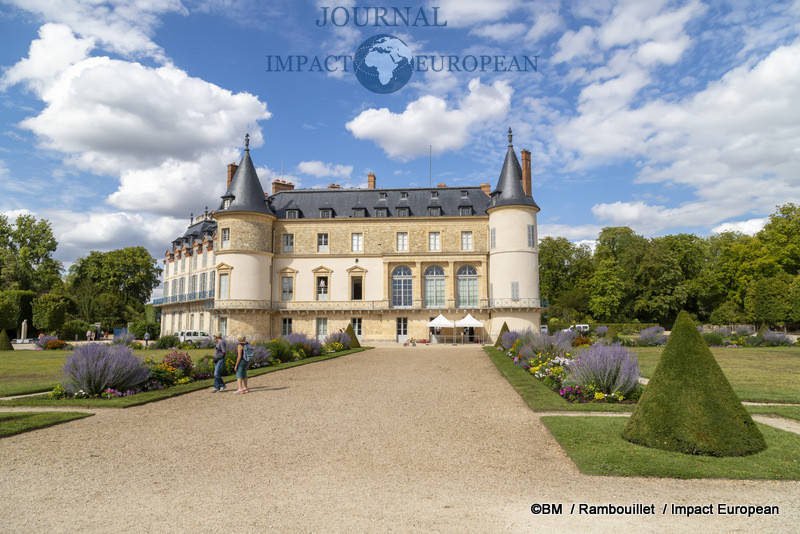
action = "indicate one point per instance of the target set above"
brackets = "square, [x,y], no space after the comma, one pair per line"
[738,261]
[767,300]
[660,292]
[9,313]
[727,313]
[131,272]
[26,250]
[793,303]
[781,236]
[607,291]
[21,300]
[50,311]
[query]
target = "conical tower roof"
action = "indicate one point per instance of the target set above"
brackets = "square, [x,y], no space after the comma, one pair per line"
[689,406]
[509,190]
[245,192]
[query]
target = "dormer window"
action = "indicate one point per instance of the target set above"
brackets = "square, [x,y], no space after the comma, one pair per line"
[403,212]
[434,194]
[434,211]
[404,195]
[226,203]
[382,196]
[465,211]
[292,214]
[464,194]
[359,212]
[381,212]
[325,213]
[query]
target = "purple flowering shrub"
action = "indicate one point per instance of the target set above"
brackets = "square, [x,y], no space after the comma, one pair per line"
[180,360]
[261,356]
[723,331]
[652,337]
[42,343]
[601,331]
[124,339]
[508,338]
[310,345]
[96,367]
[338,337]
[744,330]
[776,339]
[606,369]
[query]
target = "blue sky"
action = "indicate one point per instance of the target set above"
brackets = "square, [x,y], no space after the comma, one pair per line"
[119,118]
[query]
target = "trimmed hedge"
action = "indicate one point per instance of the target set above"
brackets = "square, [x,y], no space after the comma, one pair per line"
[689,406]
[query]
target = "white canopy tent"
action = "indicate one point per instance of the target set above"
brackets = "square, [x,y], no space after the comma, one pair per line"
[441,322]
[469,321]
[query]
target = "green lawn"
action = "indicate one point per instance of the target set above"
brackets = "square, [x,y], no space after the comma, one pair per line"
[596,446]
[18,422]
[34,371]
[763,374]
[156,395]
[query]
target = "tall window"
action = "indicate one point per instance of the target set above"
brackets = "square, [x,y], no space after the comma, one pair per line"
[226,238]
[467,286]
[183,285]
[203,280]
[531,235]
[434,287]
[194,260]
[492,238]
[322,243]
[183,263]
[205,256]
[166,269]
[174,287]
[434,241]
[401,287]
[287,288]
[288,243]
[211,285]
[286,326]
[223,326]
[514,290]
[224,280]
[322,328]
[357,242]
[322,288]
[202,320]
[466,240]
[193,284]
[402,241]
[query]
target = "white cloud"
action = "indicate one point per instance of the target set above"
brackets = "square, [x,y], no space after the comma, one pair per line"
[320,169]
[267,175]
[750,227]
[501,31]
[427,121]
[121,26]
[460,13]
[580,233]
[12,215]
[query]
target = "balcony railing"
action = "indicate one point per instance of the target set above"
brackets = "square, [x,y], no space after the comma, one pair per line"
[369,305]
[185,297]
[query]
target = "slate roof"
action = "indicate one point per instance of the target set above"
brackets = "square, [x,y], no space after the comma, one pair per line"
[245,192]
[195,233]
[343,202]
[509,190]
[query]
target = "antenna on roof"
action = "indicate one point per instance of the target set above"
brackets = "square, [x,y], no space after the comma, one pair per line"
[430,165]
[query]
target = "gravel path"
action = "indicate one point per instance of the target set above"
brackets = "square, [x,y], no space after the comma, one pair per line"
[417,439]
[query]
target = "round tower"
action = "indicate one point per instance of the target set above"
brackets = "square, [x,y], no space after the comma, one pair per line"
[244,255]
[513,251]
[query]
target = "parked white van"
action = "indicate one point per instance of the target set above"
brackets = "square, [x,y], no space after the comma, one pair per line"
[579,328]
[192,335]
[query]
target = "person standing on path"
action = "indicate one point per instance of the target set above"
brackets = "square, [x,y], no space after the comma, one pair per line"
[146,338]
[241,364]
[219,363]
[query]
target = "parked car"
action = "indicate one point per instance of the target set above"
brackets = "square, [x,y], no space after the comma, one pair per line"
[579,328]
[544,329]
[192,335]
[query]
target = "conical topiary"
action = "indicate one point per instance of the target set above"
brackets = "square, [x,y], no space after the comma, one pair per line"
[354,344]
[5,343]
[689,406]
[503,330]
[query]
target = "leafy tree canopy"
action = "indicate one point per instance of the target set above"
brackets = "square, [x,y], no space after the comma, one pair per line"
[130,271]
[26,249]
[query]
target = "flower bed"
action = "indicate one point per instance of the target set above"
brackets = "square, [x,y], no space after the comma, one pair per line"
[600,373]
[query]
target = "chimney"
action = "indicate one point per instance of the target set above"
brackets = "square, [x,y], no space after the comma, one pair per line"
[371,180]
[486,188]
[334,186]
[232,168]
[526,171]
[441,185]
[280,185]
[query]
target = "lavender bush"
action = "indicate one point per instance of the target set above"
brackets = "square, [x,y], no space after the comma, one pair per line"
[124,339]
[744,330]
[776,339]
[261,356]
[96,367]
[207,343]
[313,344]
[652,337]
[607,368]
[555,346]
[723,331]
[42,343]
[338,337]
[601,331]
[508,339]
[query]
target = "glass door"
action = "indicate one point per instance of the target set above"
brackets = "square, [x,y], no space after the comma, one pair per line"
[402,329]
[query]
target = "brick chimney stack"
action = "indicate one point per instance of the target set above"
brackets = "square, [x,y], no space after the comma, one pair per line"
[526,171]
[441,185]
[334,186]
[486,188]
[232,168]
[280,185]
[371,180]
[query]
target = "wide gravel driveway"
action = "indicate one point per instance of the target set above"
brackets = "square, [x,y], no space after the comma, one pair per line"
[407,439]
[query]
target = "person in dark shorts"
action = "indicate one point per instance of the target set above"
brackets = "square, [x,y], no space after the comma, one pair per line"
[219,363]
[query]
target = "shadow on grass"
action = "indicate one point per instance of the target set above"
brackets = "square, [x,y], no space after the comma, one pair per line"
[19,422]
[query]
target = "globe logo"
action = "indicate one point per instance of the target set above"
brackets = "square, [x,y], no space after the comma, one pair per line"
[383,64]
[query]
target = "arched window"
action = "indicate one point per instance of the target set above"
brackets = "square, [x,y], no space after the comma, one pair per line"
[434,287]
[467,287]
[401,287]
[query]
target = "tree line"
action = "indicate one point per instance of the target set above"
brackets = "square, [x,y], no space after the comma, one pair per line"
[110,288]
[727,278]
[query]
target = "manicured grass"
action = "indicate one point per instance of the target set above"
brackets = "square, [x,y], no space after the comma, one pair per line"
[18,422]
[539,397]
[156,395]
[790,412]
[34,371]
[596,446]
[760,374]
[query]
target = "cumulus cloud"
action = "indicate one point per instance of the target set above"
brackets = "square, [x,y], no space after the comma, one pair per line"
[460,13]
[428,121]
[320,169]
[501,31]
[750,227]
[579,233]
